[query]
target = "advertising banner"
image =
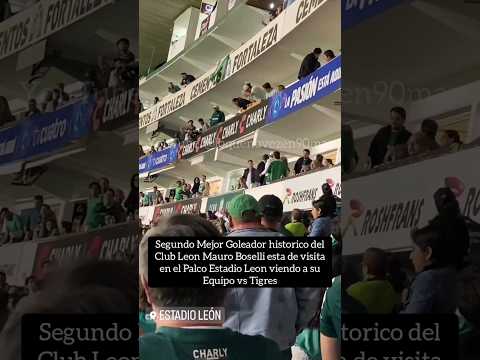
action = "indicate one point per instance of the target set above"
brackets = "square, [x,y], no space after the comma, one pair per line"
[298,11]
[116,108]
[46,132]
[16,262]
[299,192]
[158,160]
[323,82]
[216,203]
[357,11]
[115,242]
[166,106]
[386,216]
[232,129]
[190,206]
[41,20]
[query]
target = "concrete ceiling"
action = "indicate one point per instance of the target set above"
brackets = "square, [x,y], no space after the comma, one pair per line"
[156,24]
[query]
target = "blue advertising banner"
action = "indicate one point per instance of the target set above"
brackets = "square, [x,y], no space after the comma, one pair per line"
[357,11]
[158,160]
[310,89]
[46,132]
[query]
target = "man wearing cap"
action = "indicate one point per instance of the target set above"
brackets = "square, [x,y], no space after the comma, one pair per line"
[276,313]
[271,208]
[217,116]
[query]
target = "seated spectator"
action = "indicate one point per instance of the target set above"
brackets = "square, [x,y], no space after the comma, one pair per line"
[280,88]
[451,139]
[196,187]
[32,108]
[241,103]
[124,53]
[424,140]
[277,169]
[375,292]
[13,226]
[296,226]
[217,116]
[95,217]
[174,339]
[203,125]
[172,88]
[329,163]
[322,223]
[48,105]
[204,188]
[329,55]
[390,142]
[269,91]
[318,162]
[254,93]
[5,113]
[271,208]
[434,290]
[112,208]
[186,79]
[303,163]
[310,63]
[251,177]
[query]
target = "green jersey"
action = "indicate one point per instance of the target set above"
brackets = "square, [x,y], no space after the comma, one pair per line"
[309,341]
[95,217]
[178,193]
[205,344]
[331,314]
[277,170]
[297,229]
[378,296]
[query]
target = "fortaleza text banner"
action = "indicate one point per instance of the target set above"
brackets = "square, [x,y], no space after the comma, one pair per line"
[117,242]
[190,206]
[323,82]
[355,12]
[385,217]
[158,160]
[41,20]
[47,132]
[232,129]
[299,192]
[116,108]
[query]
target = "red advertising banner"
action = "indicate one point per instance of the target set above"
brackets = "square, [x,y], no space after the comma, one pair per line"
[190,206]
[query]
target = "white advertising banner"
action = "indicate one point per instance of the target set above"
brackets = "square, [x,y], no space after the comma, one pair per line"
[145,213]
[300,191]
[41,20]
[300,10]
[16,261]
[377,212]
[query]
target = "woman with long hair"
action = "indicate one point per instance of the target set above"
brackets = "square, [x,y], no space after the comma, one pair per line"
[5,113]
[196,187]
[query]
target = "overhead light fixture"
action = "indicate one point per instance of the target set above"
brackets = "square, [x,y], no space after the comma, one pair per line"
[272,5]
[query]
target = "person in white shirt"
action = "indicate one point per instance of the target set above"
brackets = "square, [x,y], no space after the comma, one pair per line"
[269,90]
[203,125]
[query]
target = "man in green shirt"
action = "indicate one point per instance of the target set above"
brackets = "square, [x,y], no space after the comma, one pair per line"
[179,191]
[217,116]
[277,169]
[95,217]
[376,293]
[14,226]
[190,340]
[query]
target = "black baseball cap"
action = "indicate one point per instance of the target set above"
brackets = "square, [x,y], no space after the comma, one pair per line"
[271,205]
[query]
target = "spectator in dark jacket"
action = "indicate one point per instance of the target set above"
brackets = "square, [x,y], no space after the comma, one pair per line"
[187,79]
[322,223]
[261,168]
[310,63]
[131,204]
[303,163]
[251,176]
[390,142]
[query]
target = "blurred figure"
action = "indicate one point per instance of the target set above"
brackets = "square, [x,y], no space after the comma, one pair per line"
[172,88]
[271,208]
[186,79]
[296,226]
[112,208]
[310,63]
[217,116]
[5,113]
[303,164]
[424,141]
[32,108]
[349,154]
[451,139]
[322,225]
[329,55]
[269,91]
[13,226]
[132,202]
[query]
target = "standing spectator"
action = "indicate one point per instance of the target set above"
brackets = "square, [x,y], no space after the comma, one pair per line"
[113,209]
[124,53]
[375,292]
[141,199]
[104,185]
[251,176]
[322,223]
[204,188]
[330,200]
[179,191]
[157,197]
[303,164]
[285,161]
[64,97]
[34,217]
[318,162]
[13,226]
[271,208]
[277,169]
[261,168]
[424,140]
[254,93]
[48,222]
[269,91]
[329,55]
[241,103]
[172,88]
[186,79]
[349,154]
[217,116]
[32,108]
[451,139]
[48,105]
[5,113]
[95,217]
[280,88]
[296,226]
[196,187]
[203,126]
[5,13]
[391,139]
[310,63]
[79,215]
[132,202]
[119,196]
[187,194]
[156,100]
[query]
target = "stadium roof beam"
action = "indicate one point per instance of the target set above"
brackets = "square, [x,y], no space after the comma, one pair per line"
[224,157]
[266,140]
